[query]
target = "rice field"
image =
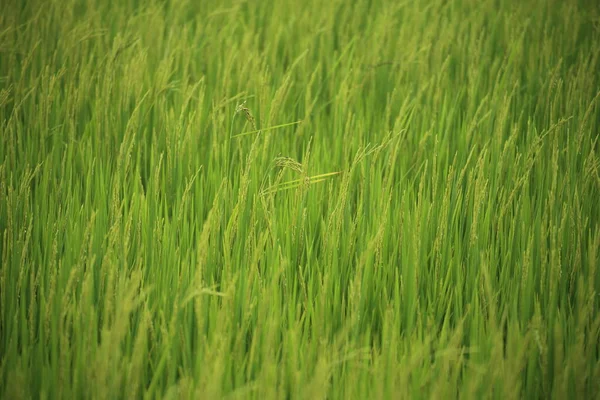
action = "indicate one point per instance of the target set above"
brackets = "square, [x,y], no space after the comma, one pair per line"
[299,200]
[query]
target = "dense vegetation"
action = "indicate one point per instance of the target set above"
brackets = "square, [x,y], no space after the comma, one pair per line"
[285,199]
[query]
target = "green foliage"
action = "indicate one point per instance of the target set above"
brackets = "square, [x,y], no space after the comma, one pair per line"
[319,199]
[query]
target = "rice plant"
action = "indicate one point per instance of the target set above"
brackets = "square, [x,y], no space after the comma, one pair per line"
[323,199]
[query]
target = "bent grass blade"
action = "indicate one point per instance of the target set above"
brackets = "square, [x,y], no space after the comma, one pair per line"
[292,184]
[266,129]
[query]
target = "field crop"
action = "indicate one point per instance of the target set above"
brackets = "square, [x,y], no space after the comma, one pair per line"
[311,199]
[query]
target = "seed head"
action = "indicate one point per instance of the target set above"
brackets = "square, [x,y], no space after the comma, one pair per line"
[241,108]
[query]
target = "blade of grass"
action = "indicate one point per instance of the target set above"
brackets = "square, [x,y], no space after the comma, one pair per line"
[266,129]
